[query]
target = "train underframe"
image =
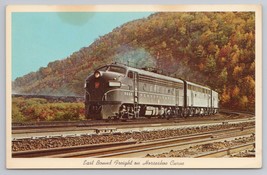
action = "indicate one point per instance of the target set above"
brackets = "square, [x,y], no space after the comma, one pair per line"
[117,110]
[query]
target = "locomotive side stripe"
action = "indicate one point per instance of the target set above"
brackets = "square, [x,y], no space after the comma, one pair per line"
[125,90]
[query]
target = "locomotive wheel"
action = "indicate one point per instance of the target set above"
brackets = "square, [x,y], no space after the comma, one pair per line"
[161,116]
[194,112]
[187,113]
[168,117]
[206,112]
[117,115]
[183,113]
[190,112]
[116,118]
[108,119]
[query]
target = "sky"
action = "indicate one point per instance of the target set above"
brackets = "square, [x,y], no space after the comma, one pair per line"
[41,37]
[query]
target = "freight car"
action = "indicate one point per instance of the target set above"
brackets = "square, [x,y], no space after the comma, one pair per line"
[117,91]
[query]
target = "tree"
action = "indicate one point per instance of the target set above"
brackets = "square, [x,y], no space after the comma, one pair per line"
[210,48]
[235,92]
[237,72]
[223,76]
[244,102]
[210,64]
[225,96]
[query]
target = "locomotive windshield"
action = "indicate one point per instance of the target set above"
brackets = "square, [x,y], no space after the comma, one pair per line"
[104,68]
[117,69]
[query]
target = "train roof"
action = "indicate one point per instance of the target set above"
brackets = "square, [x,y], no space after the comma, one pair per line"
[157,75]
[194,84]
[152,74]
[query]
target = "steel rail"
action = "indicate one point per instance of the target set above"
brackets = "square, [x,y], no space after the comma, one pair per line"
[73,150]
[60,150]
[139,147]
[110,131]
[121,125]
[155,147]
[227,151]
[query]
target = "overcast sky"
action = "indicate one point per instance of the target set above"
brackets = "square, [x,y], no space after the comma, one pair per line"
[41,37]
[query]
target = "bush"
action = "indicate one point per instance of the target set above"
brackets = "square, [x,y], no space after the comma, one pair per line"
[34,110]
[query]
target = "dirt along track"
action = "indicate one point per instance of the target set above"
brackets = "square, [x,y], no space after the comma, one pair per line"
[229,144]
[144,149]
[148,142]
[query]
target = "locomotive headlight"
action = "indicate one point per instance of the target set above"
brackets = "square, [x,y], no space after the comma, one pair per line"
[97,74]
[114,84]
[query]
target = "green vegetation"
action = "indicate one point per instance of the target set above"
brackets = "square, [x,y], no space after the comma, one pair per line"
[36,109]
[214,49]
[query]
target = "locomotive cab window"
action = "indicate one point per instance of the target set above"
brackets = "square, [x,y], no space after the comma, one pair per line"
[104,68]
[117,69]
[130,74]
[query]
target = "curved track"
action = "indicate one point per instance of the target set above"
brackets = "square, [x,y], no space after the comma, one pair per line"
[224,114]
[86,127]
[221,126]
[133,146]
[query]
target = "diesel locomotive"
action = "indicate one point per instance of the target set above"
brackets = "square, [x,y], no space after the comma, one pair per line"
[118,91]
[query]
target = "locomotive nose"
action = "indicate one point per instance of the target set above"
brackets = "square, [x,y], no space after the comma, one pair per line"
[101,82]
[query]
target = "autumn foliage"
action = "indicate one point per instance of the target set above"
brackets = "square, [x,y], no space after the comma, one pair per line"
[36,109]
[216,49]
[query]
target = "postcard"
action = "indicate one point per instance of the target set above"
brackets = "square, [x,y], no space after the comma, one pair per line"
[133,86]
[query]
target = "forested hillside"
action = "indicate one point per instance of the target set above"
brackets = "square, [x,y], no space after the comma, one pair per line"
[214,49]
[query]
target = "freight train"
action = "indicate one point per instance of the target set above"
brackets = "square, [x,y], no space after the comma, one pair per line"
[118,91]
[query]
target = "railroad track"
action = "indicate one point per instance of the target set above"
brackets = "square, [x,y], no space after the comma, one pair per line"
[104,148]
[227,151]
[130,147]
[154,146]
[62,150]
[233,112]
[64,132]
[224,114]
[57,125]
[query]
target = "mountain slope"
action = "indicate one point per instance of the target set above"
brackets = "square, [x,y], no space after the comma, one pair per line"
[214,49]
